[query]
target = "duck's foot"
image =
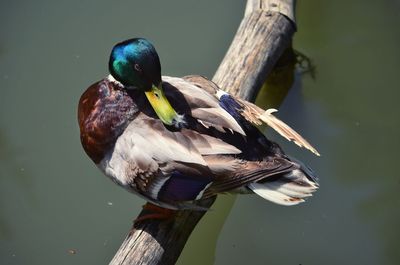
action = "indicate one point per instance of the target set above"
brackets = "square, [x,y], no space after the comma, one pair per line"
[152,211]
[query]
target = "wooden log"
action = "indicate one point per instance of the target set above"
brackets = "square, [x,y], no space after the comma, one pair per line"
[262,37]
[264,33]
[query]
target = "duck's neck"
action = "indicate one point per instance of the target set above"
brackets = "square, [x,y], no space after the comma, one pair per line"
[111,79]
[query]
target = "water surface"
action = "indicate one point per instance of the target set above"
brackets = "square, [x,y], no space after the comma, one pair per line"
[54,201]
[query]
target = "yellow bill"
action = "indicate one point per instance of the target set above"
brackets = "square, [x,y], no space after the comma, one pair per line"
[161,105]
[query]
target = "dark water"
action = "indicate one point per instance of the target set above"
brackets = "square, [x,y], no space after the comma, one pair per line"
[54,200]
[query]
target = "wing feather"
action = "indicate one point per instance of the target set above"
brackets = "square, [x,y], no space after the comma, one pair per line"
[247,172]
[249,111]
[255,115]
[202,105]
[284,130]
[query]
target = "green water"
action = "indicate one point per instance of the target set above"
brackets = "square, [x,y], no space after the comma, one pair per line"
[53,199]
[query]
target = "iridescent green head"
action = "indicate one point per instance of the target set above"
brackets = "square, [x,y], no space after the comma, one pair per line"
[135,63]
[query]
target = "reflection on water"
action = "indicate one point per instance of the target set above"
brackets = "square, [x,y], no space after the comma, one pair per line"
[50,54]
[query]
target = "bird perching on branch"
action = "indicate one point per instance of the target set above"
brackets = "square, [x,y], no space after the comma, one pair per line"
[174,141]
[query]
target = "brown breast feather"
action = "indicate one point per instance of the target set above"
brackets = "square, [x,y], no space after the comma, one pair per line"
[104,112]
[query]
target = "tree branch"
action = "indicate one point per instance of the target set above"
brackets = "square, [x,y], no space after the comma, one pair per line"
[262,37]
[264,33]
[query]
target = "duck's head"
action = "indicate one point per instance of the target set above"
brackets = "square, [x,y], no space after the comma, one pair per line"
[135,64]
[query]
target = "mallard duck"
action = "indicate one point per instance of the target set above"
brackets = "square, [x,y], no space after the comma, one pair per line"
[174,141]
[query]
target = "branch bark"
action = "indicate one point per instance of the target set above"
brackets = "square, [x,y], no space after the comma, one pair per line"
[262,37]
[264,33]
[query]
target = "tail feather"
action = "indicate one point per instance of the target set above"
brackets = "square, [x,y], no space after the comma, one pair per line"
[288,189]
[291,189]
[284,130]
[272,195]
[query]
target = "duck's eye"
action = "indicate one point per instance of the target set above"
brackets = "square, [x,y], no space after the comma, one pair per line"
[137,68]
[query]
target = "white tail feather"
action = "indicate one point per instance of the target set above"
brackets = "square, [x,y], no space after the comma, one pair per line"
[272,195]
[290,189]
